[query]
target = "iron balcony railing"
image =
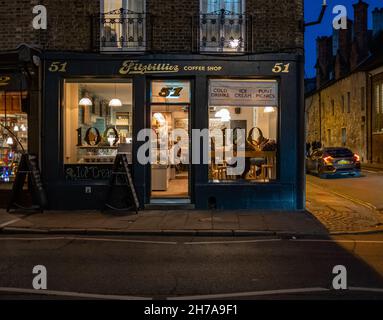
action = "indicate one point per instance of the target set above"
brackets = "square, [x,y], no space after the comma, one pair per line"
[121,30]
[224,31]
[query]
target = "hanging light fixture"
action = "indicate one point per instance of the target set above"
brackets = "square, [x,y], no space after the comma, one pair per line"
[224,114]
[86,101]
[16,128]
[23,128]
[10,141]
[115,102]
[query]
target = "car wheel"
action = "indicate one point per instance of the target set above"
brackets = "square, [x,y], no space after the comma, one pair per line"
[321,175]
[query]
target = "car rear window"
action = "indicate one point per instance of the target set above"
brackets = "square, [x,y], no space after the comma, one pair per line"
[339,153]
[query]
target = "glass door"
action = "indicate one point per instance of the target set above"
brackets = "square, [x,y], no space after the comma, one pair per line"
[170,124]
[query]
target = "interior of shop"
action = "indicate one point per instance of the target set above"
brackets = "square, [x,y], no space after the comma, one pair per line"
[97,121]
[170,172]
[260,142]
[13,136]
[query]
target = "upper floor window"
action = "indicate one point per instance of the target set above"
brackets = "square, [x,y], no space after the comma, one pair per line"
[123,25]
[222,26]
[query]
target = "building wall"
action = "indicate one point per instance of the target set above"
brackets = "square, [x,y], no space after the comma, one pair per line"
[312,104]
[322,120]
[376,137]
[275,28]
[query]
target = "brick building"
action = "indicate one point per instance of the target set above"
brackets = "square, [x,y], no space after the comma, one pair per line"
[103,70]
[345,107]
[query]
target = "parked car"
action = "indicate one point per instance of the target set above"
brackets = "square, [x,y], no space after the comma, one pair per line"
[338,161]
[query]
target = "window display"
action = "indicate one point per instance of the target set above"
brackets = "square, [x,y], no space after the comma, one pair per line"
[250,106]
[13,136]
[97,121]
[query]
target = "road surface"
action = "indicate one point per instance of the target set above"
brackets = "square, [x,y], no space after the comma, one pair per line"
[168,268]
[368,188]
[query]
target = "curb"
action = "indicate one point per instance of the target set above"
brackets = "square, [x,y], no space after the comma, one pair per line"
[192,233]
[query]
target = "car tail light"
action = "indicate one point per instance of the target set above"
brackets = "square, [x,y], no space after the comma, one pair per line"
[328,159]
[356,158]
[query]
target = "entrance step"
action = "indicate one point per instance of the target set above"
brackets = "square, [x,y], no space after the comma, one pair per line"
[171,204]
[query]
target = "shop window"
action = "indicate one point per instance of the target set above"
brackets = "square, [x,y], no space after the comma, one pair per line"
[97,121]
[243,126]
[13,135]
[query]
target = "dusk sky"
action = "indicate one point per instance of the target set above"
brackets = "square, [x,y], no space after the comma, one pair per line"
[312,9]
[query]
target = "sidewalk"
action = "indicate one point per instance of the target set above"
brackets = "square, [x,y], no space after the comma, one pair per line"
[341,214]
[372,166]
[166,222]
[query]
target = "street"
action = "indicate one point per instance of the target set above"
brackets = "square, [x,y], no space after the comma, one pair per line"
[166,268]
[216,267]
[367,188]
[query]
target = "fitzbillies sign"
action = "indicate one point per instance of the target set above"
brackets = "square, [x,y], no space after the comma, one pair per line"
[135,67]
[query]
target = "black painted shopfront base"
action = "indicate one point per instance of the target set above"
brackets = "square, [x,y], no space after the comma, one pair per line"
[235,196]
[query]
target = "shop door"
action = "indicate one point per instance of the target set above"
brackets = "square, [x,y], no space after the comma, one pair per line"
[170,124]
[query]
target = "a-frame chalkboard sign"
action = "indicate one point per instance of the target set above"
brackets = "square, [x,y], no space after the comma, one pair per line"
[121,170]
[28,167]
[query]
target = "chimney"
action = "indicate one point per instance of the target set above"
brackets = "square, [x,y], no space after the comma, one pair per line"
[325,59]
[361,28]
[342,42]
[377,21]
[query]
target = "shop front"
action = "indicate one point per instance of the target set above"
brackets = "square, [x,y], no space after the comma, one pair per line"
[19,83]
[201,131]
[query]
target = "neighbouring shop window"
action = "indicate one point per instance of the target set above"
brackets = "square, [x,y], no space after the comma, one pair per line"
[377,115]
[252,107]
[13,135]
[97,121]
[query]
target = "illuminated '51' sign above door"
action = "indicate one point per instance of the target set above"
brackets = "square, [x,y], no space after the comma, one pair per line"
[170,91]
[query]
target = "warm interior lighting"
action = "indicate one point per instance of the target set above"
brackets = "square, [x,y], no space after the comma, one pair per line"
[356,158]
[234,43]
[10,141]
[269,110]
[86,102]
[115,103]
[224,114]
[160,118]
[16,128]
